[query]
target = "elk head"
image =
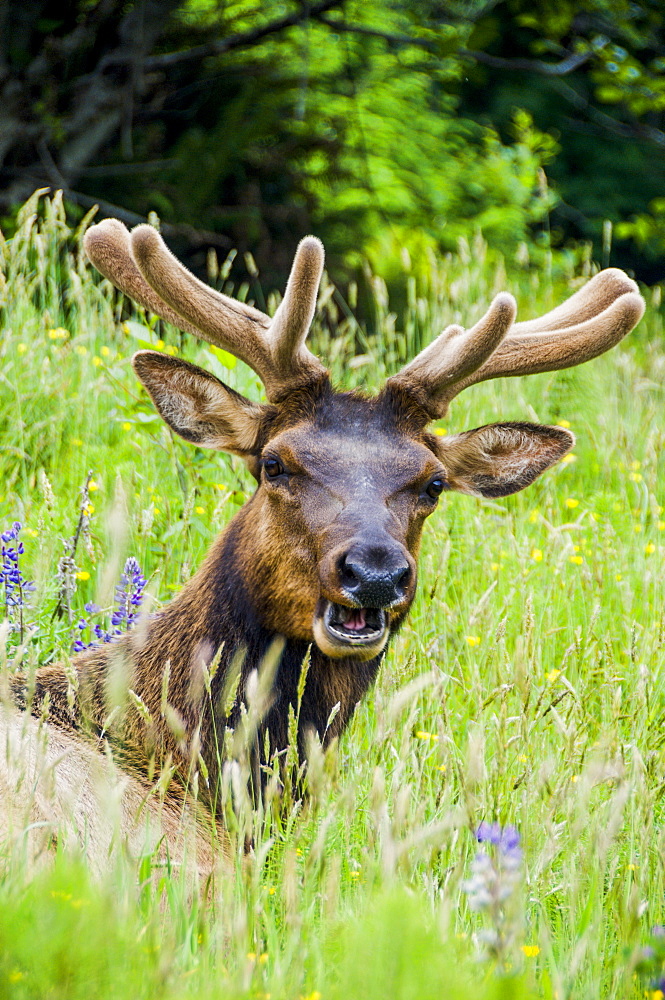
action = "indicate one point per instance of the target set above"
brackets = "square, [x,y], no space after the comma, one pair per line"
[329,541]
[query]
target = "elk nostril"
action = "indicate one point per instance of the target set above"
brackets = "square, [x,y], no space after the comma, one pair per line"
[403,580]
[350,575]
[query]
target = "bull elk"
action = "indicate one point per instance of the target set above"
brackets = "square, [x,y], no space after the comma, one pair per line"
[324,553]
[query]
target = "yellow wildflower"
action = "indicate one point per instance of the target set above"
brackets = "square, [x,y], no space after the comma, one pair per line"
[89,509]
[563,423]
[574,778]
[551,677]
[577,560]
[354,874]
[661,525]
[15,976]
[92,486]
[126,426]
[523,757]
[531,950]
[649,548]
[570,457]
[272,890]
[441,767]
[619,577]
[571,502]
[80,349]
[97,361]
[58,334]
[31,531]
[635,477]
[200,510]
[160,344]
[473,640]
[22,348]
[422,735]
[635,466]
[536,555]
[105,351]
[440,431]
[494,567]
[637,528]
[534,515]
[82,575]
[77,443]
[172,350]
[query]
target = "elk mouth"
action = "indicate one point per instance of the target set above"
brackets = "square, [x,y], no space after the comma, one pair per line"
[342,631]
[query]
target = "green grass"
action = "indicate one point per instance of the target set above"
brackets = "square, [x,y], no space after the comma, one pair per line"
[528,686]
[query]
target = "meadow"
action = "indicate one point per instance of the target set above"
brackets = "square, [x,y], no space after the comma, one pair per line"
[527,688]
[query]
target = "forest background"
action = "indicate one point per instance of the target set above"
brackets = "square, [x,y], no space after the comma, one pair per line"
[379,125]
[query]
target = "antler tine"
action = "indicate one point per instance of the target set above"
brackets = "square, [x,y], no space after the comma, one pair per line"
[108,247]
[274,351]
[291,322]
[455,354]
[590,322]
[592,299]
[530,353]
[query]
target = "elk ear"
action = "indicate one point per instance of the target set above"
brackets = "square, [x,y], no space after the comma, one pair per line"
[499,459]
[199,407]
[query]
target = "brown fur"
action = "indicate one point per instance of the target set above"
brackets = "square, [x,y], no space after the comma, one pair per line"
[345,484]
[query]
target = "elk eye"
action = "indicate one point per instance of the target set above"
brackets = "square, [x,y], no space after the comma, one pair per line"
[436,488]
[273,468]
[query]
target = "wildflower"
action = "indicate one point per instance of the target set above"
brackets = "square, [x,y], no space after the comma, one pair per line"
[22,348]
[496,872]
[661,525]
[569,458]
[534,515]
[563,423]
[81,350]
[635,466]
[635,477]
[421,735]
[440,431]
[571,502]
[536,555]
[82,575]
[530,950]
[494,566]
[160,344]
[105,351]
[637,528]
[649,549]
[577,560]
[552,675]
[128,598]
[97,362]
[618,577]
[473,640]
[13,583]
[200,510]
[92,486]
[58,334]
[126,426]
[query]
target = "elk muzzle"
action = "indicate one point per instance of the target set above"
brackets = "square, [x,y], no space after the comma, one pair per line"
[364,586]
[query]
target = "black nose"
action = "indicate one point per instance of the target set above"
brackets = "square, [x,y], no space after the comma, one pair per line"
[374,577]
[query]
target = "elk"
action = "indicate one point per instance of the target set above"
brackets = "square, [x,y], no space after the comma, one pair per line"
[323,556]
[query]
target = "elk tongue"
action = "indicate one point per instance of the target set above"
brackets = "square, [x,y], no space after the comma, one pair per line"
[356,620]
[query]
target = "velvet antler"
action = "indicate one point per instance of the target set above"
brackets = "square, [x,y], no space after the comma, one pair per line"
[589,323]
[141,265]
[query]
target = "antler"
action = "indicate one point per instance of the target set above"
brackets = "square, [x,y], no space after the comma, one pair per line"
[589,323]
[141,265]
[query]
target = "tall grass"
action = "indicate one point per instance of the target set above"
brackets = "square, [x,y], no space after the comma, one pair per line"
[528,687]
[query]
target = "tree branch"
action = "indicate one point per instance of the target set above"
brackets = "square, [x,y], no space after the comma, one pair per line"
[242,39]
[572,62]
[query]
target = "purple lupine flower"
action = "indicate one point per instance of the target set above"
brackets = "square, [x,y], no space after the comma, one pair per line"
[13,583]
[128,597]
[495,874]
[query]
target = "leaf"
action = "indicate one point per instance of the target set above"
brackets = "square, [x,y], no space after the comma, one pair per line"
[223,356]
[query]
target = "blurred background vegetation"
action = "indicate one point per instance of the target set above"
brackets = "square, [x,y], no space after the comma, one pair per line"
[380,125]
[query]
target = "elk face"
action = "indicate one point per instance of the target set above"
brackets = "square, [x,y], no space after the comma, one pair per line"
[331,536]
